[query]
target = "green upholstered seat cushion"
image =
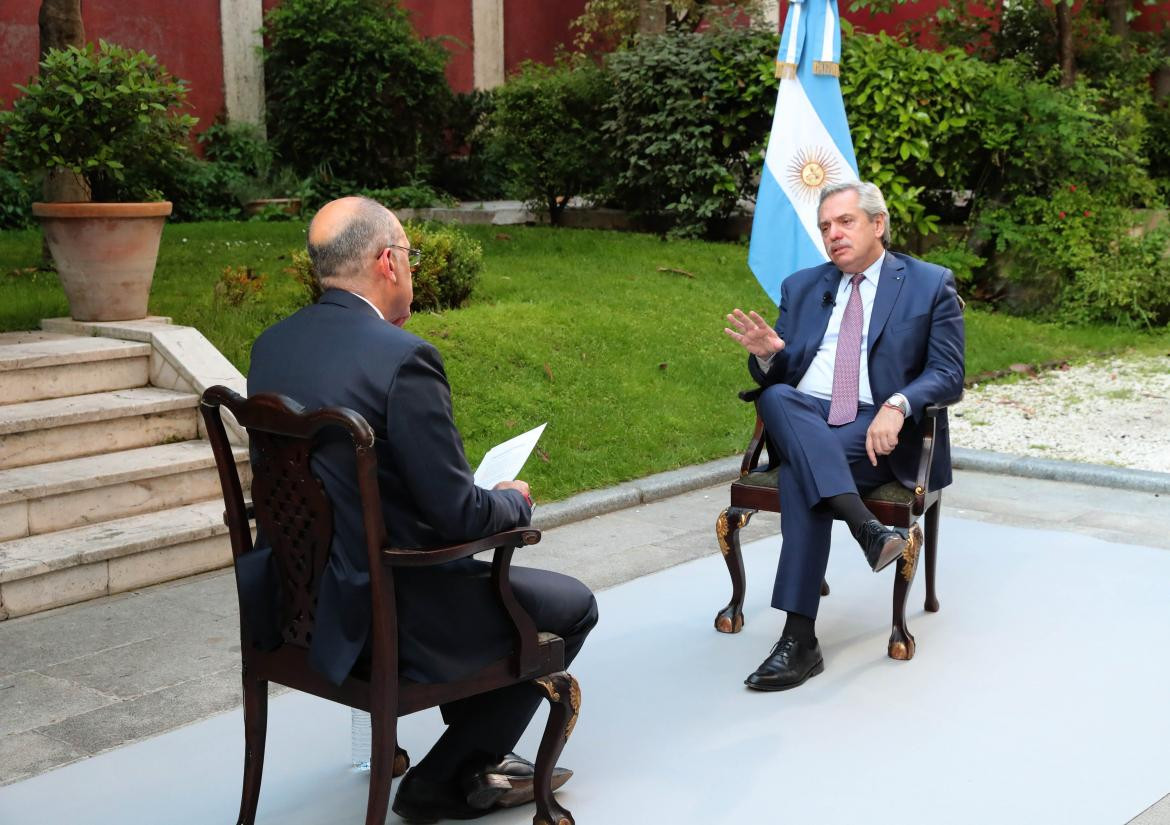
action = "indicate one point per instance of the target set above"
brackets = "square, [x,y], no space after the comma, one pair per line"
[891,491]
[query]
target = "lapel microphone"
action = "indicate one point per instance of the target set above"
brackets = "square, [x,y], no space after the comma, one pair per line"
[827,299]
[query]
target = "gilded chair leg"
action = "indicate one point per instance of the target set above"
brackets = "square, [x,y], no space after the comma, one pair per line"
[727,527]
[564,697]
[401,762]
[901,641]
[383,761]
[932,517]
[255,732]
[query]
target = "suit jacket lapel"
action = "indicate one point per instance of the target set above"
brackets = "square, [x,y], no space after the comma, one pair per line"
[889,287]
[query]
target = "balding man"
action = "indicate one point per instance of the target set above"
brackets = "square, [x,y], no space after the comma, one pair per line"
[350,349]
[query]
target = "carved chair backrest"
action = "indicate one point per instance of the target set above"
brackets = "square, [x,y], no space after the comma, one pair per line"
[292,509]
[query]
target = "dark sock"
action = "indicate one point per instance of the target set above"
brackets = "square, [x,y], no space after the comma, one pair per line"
[848,507]
[801,628]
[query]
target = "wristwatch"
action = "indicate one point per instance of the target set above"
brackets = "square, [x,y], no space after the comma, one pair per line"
[899,401]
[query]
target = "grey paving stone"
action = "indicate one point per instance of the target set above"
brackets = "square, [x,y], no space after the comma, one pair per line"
[29,753]
[213,593]
[31,700]
[123,722]
[143,667]
[44,639]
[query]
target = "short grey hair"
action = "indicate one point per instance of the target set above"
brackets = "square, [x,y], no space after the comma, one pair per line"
[343,256]
[869,198]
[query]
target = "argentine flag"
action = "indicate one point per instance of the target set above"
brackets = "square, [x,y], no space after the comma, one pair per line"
[809,148]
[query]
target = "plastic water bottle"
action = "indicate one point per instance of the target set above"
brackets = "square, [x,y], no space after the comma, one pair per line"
[359,739]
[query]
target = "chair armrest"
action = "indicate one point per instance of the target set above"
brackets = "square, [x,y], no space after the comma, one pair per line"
[524,630]
[933,410]
[397,557]
[926,458]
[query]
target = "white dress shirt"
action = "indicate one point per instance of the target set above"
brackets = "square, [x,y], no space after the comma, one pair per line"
[383,317]
[818,380]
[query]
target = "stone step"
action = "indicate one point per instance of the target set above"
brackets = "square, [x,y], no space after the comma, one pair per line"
[68,566]
[35,432]
[63,494]
[36,365]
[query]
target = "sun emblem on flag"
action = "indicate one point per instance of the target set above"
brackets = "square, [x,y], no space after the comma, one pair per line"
[811,170]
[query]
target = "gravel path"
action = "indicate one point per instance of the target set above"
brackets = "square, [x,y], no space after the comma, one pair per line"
[1114,411]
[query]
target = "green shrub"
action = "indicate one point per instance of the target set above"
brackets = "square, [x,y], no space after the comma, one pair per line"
[202,191]
[239,145]
[411,196]
[1157,146]
[546,123]
[1039,134]
[687,121]
[1079,257]
[910,113]
[450,267]
[111,115]
[16,200]
[474,168]
[351,85]
[238,285]
[957,256]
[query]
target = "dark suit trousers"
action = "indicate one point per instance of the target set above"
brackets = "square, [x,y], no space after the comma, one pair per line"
[490,724]
[816,462]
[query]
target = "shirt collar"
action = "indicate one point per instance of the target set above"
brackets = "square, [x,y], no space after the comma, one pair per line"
[367,300]
[871,272]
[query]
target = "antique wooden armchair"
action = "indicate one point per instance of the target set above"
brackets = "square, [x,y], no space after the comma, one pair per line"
[291,507]
[892,504]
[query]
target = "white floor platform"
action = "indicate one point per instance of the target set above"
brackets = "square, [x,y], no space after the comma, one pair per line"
[1039,695]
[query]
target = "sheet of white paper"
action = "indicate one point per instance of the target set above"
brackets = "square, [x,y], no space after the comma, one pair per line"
[504,461]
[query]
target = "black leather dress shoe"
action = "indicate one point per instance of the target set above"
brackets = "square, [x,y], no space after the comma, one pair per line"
[423,801]
[881,544]
[790,664]
[506,784]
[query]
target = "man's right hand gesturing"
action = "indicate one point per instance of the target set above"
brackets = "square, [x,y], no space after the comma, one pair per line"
[753,334]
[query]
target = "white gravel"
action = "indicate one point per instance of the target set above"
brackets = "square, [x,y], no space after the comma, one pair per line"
[1114,411]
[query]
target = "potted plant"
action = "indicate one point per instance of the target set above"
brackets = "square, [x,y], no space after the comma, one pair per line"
[111,117]
[259,185]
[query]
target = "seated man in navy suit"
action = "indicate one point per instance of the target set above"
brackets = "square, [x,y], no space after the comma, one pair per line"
[863,344]
[350,349]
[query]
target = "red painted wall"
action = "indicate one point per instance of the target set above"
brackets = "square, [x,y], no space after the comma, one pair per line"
[533,29]
[183,34]
[449,20]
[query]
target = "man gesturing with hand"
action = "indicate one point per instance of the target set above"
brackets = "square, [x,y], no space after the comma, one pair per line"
[863,344]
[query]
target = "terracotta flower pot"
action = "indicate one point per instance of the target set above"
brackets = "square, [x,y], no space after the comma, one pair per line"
[289,206]
[105,255]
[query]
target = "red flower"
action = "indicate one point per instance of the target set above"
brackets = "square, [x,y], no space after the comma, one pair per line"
[1072,187]
[1087,213]
[1062,215]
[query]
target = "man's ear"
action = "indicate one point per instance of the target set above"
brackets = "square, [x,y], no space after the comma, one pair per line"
[384,261]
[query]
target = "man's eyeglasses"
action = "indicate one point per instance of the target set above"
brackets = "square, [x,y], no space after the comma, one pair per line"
[413,256]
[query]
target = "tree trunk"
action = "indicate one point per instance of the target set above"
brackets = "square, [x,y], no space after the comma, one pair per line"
[1064,35]
[61,26]
[1162,83]
[1117,13]
[651,16]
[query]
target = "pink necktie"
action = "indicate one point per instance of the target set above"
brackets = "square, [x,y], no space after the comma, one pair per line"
[847,364]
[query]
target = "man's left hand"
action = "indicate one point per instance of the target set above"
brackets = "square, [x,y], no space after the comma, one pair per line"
[882,436]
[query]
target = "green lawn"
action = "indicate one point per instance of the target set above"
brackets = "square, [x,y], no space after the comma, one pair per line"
[578,328]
